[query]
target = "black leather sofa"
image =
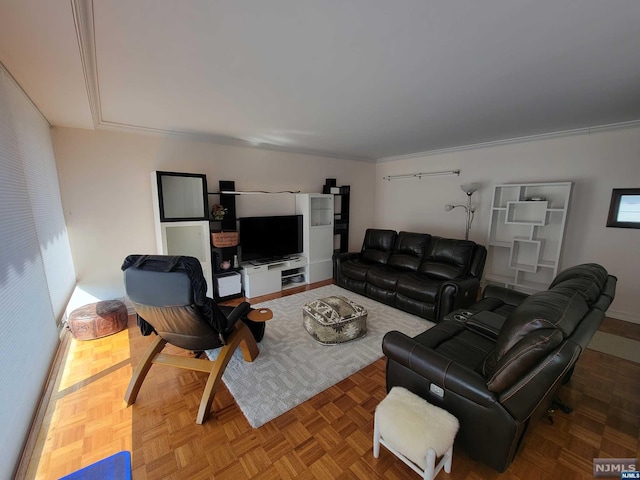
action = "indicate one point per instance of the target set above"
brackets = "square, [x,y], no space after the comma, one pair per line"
[499,362]
[419,273]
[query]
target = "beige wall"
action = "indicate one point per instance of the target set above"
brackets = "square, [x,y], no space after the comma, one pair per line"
[596,163]
[105,185]
[106,191]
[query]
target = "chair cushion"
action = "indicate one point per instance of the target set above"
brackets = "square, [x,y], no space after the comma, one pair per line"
[377,245]
[447,258]
[419,286]
[523,356]
[383,276]
[409,250]
[411,425]
[532,330]
[355,269]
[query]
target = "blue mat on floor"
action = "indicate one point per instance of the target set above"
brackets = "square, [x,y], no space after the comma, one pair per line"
[115,467]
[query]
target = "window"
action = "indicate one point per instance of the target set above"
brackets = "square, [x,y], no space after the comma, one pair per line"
[624,210]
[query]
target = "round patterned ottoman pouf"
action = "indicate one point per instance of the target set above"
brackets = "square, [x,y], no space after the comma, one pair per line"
[98,320]
[334,320]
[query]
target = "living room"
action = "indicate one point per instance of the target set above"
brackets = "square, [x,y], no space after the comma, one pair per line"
[105,189]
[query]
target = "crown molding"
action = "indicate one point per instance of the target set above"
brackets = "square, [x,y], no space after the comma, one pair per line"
[509,141]
[225,140]
[83,18]
[85,31]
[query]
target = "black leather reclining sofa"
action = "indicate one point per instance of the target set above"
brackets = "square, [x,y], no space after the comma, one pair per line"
[499,362]
[419,273]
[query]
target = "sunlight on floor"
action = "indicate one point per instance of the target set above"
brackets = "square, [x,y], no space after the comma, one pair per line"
[86,419]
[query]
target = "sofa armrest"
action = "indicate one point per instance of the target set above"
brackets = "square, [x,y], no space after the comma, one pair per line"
[506,295]
[436,368]
[455,294]
[338,258]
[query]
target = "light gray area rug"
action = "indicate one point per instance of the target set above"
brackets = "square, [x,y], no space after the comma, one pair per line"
[615,345]
[292,367]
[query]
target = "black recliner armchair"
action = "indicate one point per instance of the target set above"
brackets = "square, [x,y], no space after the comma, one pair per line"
[497,364]
[169,297]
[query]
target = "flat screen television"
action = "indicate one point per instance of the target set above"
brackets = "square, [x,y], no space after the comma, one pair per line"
[265,239]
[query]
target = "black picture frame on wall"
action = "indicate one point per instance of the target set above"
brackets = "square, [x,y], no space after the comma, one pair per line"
[182,196]
[624,209]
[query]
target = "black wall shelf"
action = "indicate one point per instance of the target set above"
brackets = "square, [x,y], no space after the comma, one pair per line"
[341,217]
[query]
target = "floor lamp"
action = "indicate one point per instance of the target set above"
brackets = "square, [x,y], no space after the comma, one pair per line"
[467,188]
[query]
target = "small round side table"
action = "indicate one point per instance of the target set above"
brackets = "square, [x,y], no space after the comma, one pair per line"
[260,315]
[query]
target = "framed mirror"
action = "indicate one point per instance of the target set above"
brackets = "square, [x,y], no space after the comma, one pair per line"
[182,196]
[624,209]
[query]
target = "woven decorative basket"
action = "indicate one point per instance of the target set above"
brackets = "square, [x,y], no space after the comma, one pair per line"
[224,239]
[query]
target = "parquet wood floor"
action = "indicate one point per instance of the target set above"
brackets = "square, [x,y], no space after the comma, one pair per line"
[329,436]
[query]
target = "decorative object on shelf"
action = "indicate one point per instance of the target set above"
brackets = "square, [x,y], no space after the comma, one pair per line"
[218,211]
[236,263]
[420,175]
[469,189]
[330,186]
[624,210]
[224,239]
[224,244]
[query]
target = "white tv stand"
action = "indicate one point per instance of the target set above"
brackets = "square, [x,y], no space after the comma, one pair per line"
[273,277]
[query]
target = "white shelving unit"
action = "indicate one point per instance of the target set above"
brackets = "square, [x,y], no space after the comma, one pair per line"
[526,232]
[183,237]
[272,277]
[317,212]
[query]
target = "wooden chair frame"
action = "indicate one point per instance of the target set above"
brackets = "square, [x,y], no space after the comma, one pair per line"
[241,336]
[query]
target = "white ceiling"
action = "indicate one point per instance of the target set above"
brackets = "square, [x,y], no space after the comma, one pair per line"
[359,78]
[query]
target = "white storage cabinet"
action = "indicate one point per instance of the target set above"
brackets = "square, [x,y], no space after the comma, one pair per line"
[190,238]
[317,212]
[272,277]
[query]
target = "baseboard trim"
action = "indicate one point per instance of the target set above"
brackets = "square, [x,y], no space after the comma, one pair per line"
[31,443]
[627,317]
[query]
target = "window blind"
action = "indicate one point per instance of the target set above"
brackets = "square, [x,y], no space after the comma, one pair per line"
[36,270]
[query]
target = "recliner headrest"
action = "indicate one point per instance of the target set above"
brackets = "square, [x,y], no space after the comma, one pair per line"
[587,279]
[409,250]
[168,279]
[377,245]
[447,258]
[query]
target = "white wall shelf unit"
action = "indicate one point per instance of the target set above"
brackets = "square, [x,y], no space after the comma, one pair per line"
[526,231]
[317,210]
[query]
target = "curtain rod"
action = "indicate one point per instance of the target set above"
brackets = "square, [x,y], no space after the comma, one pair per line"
[420,175]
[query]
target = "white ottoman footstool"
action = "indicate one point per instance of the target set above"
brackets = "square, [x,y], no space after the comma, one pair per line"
[415,431]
